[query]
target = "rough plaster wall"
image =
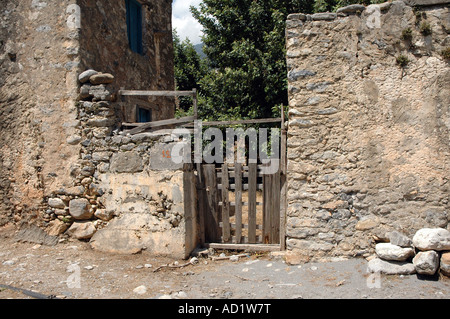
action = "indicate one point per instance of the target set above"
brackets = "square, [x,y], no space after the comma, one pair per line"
[38,68]
[104,47]
[368,143]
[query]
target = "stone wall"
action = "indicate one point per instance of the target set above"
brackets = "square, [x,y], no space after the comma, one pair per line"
[127,196]
[44,46]
[104,46]
[369,121]
[38,90]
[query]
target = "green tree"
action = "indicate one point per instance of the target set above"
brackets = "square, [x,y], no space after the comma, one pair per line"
[245,44]
[190,68]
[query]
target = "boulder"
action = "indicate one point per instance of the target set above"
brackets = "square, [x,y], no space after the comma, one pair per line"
[86,75]
[426,262]
[445,263]
[378,265]
[432,239]
[56,203]
[101,78]
[388,251]
[80,209]
[56,227]
[399,239]
[82,230]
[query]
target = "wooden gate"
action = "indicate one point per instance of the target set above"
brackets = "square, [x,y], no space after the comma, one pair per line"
[242,207]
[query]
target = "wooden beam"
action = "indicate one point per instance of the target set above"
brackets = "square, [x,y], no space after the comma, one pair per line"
[247,247]
[156,93]
[140,127]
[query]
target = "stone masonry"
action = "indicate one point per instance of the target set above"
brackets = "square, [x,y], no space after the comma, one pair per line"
[369,122]
[44,46]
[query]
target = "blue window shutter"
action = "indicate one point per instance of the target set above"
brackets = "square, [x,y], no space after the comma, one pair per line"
[134,25]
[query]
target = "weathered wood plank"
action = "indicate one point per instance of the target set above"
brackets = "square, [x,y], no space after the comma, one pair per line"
[267,207]
[246,247]
[238,202]
[275,209]
[226,233]
[252,179]
[156,93]
[140,127]
[212,217]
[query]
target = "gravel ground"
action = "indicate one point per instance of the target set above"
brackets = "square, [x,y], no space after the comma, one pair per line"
[72,270]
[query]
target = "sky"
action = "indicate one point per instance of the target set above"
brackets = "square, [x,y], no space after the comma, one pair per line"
[184,22]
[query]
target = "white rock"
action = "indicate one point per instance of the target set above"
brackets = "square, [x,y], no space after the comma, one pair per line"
[378,265]
[86,75]
[388,251]
[426,262]
[141,290]
[432,239]
[56,203]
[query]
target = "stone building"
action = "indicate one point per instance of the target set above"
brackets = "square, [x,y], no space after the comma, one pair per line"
[45,127]
[368,139]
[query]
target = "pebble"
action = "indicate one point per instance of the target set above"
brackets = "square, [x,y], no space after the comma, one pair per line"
[140,290]
[88,267]
[148,265]
[9,263]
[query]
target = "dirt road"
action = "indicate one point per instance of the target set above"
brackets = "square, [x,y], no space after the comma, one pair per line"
[72,270]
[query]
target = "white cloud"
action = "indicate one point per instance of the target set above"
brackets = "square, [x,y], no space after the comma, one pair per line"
[184,22]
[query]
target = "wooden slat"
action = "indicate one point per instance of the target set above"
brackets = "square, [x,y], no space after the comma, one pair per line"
[238,202]
[267,207]
[156,93]
[275,209]
[252,203]
[202,204]
[140,127]
[226,233]
[212,216]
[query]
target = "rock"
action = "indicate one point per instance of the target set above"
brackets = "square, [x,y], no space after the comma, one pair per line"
[86,75]
[56,227]
[367,223]
[353,8]
[294,75]
[141,290]
[432,239]
[399,239]
[9,263]
[324,16]
[80,209]
[101,78]
[426,262]
[104,214]
[388,251]
[378,265]
[101,93]
[56,203]
[74,140]
[82,230]
[445,263]
[127,162]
